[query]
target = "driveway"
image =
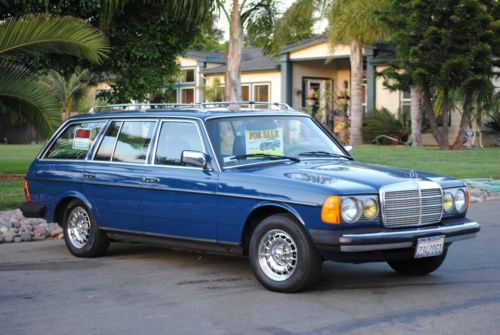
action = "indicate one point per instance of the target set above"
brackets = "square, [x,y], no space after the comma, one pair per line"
[139,289]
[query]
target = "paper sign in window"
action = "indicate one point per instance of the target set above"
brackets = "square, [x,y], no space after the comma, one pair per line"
[82,140]
[268,141]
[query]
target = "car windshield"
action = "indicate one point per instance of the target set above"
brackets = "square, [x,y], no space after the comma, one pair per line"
[250,139]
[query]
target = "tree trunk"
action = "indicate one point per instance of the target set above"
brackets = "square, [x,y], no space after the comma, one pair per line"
[464,122]
[445,114]
[429,112]
[416,118]
[233,56]
[356,136]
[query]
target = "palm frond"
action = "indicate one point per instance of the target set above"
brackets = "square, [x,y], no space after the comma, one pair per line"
[52,34]
[29,99]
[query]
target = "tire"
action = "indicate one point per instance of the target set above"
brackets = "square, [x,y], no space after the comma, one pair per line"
[418,267]
[80,240]
[285,237]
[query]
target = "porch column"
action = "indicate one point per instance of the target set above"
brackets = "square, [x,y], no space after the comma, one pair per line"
[370,80]
[200,66]
[286,79]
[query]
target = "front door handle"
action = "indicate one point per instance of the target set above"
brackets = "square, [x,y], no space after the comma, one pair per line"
[89,176]
[151,180]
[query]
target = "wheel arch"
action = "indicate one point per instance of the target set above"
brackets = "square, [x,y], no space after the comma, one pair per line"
[261,211]
[65,200]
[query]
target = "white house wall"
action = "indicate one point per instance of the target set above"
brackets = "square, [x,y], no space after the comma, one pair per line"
[272,78]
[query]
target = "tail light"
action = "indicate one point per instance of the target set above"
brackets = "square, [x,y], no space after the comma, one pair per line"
[26,191]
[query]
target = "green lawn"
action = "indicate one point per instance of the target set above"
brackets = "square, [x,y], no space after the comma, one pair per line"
[478,163]
[11,195]
[16,158]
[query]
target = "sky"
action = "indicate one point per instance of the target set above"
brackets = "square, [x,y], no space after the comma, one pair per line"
[224,25]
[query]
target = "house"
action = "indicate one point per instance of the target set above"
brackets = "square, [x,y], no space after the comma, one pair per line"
[309,75]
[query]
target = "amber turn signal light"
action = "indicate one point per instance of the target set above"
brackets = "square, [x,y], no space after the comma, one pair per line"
[26,191]
[330,213]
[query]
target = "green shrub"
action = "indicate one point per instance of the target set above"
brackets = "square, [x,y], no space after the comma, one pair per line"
[383,122]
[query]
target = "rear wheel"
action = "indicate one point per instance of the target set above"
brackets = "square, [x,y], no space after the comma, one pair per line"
[418,266]
[281,255]
[82,237]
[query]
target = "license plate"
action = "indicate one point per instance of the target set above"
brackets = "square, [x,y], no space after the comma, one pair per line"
[429,246]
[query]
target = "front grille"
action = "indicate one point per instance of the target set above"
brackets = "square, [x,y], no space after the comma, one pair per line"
[414,203]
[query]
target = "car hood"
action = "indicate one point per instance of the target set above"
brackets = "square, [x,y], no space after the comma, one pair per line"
[346,176]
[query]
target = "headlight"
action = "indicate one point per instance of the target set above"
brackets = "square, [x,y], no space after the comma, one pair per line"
[370,209]
[460,200]
[448,202]
[350,210]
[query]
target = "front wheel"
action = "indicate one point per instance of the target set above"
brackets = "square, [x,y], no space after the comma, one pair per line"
[281,255]
[82,237]
[418,266]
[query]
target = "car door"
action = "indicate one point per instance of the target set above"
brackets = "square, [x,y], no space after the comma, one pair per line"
[114,178]
[179,200]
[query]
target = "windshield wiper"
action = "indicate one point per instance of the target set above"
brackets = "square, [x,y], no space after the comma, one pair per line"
[323,153]
[268,156]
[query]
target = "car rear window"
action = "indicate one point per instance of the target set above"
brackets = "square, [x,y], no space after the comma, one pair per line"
[75,141]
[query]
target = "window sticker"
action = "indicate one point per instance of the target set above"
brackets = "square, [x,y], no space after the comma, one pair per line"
[264,141]
[82,140]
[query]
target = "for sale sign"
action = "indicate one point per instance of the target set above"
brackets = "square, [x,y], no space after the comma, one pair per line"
[82,141]
[268,141]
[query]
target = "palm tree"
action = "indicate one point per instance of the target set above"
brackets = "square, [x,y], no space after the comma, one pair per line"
[355,22]
[22,96]
[71,93]
[255,15]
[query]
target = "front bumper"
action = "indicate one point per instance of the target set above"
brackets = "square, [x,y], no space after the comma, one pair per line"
[382,239]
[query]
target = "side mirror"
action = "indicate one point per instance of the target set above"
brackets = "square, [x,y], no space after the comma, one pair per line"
[348,148]
[194,158]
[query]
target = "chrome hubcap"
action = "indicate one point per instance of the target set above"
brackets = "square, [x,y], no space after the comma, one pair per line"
[278,255]
[78,227]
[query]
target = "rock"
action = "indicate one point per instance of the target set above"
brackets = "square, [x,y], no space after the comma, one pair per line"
[9,234]
[39,237]
[56,231]
[18,239]
[40,230]
[28,227]
[8,239]
[3,229]
[60,236]
[1,239]
[26,237]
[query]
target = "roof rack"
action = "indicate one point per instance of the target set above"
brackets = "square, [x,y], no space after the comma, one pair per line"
[140,106]
[204,106]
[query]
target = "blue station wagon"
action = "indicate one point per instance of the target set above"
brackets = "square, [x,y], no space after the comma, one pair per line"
[204,177]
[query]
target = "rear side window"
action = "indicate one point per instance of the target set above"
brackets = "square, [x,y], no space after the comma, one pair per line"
[126,141]
[75,141]
[175,137]
[133,142]
[107,145]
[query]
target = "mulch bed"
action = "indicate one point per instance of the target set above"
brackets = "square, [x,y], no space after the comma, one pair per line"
[4,178]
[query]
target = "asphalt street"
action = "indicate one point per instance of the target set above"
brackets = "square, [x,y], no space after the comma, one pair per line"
[138,289]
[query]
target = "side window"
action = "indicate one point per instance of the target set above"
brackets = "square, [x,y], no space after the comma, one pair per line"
[107,145]
[175,137]
[75,141]
[133,142]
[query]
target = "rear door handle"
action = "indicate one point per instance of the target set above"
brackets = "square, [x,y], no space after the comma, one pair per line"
[151,180]
[89,176]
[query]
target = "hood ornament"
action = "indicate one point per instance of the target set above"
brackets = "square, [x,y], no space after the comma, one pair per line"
[413,174]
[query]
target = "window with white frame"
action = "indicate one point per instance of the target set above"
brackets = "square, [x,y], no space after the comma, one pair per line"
[405,101]
[187,76]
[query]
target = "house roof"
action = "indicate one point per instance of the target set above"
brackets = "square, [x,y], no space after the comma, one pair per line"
[304,44]
[252,60]
[207,56]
